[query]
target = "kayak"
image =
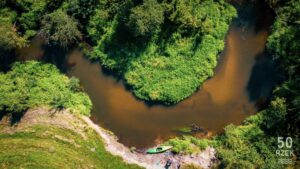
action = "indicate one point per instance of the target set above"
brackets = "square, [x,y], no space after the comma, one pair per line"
[158,149]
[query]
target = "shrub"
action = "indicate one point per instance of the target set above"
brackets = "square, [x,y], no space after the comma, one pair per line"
[189,144]
[34,84]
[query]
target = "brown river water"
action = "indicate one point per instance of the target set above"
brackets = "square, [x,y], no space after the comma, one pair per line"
[242,82]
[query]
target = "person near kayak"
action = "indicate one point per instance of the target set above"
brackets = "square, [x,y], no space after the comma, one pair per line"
[168,164]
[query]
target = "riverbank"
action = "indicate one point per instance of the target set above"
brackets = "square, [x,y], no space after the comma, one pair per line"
[204,159]
[237,90]
[54,134]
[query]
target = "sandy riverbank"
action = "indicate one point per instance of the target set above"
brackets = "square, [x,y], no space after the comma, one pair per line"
[204,159]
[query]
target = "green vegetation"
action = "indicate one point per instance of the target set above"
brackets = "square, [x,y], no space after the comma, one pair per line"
[9,38]
[166,50]
[184,130]
[19,21]
[254,143]
[247,146]
[250,145]
[50,146]
[29,14]
[35,84]
[81,9]
[43,139]
[188,144]
[146,19]
[58,28]
[23,19]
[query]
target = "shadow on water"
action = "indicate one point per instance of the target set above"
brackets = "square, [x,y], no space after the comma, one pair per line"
[264,77]
[253,13]
[112,73]
[242,81]
[57,56]
[264,74]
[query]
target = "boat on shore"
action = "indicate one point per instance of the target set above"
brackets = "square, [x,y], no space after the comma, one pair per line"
[159,149]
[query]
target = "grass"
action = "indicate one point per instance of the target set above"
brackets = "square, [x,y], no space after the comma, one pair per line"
[42,146]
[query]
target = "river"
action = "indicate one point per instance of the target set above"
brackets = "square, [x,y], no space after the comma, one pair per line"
[243,80]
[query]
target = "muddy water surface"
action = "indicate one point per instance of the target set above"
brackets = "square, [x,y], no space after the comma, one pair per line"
[222,100]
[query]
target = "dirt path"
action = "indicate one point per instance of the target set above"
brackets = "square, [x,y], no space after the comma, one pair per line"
[205,159]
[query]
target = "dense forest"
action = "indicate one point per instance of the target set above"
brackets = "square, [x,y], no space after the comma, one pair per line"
[252,144]
[164,50]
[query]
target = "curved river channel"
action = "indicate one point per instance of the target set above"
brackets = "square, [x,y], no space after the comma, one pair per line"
[243,80]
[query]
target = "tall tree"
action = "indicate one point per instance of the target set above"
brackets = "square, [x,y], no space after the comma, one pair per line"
[82,9]
[60,29]
[147,18]
[10,37]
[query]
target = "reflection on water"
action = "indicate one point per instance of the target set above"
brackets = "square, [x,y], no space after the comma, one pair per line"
[34,51]
[222,99]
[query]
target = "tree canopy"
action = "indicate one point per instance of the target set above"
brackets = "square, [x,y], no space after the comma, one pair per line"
[175,57]
[10,37]
[146,18]
[164,50]
[60,29]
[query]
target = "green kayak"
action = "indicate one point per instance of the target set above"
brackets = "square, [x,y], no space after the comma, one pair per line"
[158,149]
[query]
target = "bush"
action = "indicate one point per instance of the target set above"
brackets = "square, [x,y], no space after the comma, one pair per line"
[189,144]
[201,143]
[35,84]
[181,145]
[246,146]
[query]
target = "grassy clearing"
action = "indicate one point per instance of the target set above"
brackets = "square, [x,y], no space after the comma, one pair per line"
[42,146]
